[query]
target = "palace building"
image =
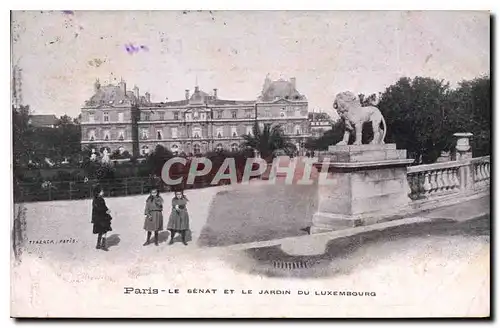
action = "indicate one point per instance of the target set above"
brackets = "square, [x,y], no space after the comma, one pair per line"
[121,119]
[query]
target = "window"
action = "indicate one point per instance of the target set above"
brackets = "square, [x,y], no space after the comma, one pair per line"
[174,133]
[203,116]
[234,114]
[298,130]
[219,147]
[121,135]
[120,117]
[144,134]
[161,116]
[176,115]
[197,149]
[282,114]
[234,147]
[145,150]
[106,135]
[91,117]
[249,130]
[220,132]
[188,117]
[219,114]
[106,117]
[159,135]
[234,131]
[249,113]
[146,116]
[197,133]
[91,135]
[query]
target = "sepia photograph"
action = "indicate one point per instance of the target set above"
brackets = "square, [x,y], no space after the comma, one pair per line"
[250,164]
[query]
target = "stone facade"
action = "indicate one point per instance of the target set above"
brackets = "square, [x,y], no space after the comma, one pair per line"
[119,119]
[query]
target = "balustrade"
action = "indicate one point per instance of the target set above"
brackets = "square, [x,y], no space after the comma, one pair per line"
[439,179]
[481,172]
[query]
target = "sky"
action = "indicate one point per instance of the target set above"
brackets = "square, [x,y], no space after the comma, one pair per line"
[61,54]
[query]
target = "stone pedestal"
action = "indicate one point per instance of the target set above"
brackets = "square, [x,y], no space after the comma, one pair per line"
[365,183]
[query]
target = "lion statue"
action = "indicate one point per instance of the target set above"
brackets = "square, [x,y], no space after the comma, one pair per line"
[354,115]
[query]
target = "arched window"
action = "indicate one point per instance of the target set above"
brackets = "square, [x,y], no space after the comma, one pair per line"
[219,147]
[197,149]
[234,147]
[145,150]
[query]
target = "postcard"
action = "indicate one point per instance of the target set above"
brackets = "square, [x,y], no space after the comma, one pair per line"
[250,164]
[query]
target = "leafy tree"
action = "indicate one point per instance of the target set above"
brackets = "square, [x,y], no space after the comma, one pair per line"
[156,160]
[414,110]
[469,110]
[268,141]
[21,143]
[330,137]
[367,100]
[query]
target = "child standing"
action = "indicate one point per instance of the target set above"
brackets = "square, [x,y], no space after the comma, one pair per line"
[179,218]
[101,218]
[153,221]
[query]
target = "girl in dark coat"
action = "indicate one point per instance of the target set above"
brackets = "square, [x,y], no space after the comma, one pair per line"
[154,216]
[179,218]
[100,218]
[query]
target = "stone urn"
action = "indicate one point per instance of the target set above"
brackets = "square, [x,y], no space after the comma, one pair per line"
[463,145]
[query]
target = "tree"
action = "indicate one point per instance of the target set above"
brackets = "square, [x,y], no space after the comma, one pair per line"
[367,100]
[469,110]
[21,143]
[330,137]
[414,110]
[156,160]
[68,139]
[268,141]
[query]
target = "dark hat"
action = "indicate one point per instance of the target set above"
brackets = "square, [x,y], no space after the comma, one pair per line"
[96,190]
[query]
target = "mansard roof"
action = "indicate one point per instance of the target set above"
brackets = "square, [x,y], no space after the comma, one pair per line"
[200,97]
[280,89]
[113,96]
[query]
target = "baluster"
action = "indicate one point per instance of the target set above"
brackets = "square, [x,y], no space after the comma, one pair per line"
[456,180]
[434,184]
[422,183]
[447,179]
[427,186]
[483,172]
[476,174]
[439,181]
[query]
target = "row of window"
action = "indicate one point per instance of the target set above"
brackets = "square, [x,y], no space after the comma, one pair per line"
[196,148]
[196,133]
[195,115]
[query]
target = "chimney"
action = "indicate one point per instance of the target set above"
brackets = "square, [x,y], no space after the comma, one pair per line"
[136,91]
[187,94]
[123,86]
[148,97]
[215,93]
[293,81]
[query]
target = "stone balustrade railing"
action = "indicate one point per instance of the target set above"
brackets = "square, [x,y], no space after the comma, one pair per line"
[440,179]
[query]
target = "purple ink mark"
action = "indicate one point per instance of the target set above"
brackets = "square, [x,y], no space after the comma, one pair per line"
[132,49]
[68,12]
